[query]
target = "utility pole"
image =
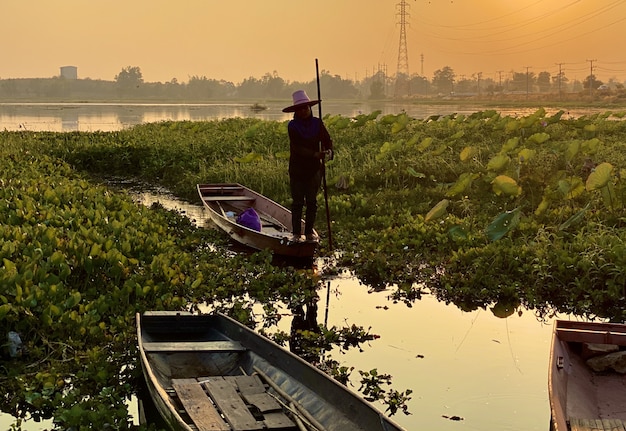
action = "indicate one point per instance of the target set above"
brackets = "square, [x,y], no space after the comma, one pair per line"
[560,75]
[527,82]
[402,72]
[422,60]
[591,77]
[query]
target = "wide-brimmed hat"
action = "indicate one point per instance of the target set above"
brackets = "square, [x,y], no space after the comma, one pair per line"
[300,99]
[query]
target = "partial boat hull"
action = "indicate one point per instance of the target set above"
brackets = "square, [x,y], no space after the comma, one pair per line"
[582,398]
[199,368]
[225,201]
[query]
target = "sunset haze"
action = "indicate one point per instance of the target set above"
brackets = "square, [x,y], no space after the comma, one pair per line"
[236,40]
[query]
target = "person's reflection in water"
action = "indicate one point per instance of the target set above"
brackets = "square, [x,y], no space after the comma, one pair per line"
[304,321]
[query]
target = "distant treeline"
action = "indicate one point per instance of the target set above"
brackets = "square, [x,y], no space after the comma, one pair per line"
[197,89]
[129,85]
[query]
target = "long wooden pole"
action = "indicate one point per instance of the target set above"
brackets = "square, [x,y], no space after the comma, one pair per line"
[319,105]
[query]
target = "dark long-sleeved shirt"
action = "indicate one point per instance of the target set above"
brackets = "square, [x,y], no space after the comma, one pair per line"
[305,136]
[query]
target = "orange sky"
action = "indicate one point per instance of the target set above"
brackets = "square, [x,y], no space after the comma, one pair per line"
[234,40]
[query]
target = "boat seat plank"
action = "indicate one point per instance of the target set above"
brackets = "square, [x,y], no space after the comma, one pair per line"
[219,188]
[228,198]
[193,346]
[264,402]
[278,421]
[231,405]
[198,405]
[592,336]
[247,384]
[577,424]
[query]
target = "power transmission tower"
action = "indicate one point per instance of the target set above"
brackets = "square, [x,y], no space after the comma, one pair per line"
[402,72]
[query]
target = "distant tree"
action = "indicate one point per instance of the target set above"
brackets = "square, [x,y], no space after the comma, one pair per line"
[443,79]
[129,76]
[523,81]
[591,80]
[419,84]
[543,82]
[377,90]
[559,81]
[273,84]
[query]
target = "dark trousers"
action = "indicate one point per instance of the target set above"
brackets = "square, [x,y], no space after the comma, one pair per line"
[304,192]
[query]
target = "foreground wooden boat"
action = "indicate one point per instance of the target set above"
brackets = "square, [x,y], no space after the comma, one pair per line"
[586,392]
[209,372]
[226,201]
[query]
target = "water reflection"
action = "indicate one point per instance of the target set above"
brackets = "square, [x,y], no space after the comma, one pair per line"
[490,373]
[106,117]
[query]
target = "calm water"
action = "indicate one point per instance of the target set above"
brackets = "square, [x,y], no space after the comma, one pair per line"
[89,117]
[491,372]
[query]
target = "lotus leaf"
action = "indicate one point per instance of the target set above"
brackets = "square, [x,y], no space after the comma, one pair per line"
[468,153]
[503,224]
[539,138]
[599,177]
[571,188]
[438,210]
[457,233]
[509,145]
[511,125]
[506,185]
[425,144]
[400,123]
[525,155]
[543,206]
[462,184]
[591,146]
[440,150]
[498,163]
[572,150]
[504,309]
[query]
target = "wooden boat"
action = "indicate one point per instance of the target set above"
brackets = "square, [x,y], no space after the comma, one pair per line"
[226,201]
[258,107]
[585,391]
[209,372]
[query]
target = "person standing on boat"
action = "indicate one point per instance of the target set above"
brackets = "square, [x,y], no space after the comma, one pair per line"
[309,145]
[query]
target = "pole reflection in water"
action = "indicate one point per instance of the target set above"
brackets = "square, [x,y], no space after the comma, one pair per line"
[466,369]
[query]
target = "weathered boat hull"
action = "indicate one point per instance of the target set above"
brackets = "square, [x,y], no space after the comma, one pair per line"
[203,351]
[225,201]
[581,398]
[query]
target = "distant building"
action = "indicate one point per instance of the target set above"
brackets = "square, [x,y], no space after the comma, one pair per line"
[69,72]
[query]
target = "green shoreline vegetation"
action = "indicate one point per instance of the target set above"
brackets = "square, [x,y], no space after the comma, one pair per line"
[482,211]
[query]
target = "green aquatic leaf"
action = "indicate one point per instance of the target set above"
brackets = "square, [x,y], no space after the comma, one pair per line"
[424,144]
[539,138]
[505,309]
[574,219]
[572,150]
[248,158]
[414,173]
[503,224]
[505,185]
[525,155]
[571,188]
[498,163]
[438,210]
[509,145]
[599,177]
[463,183]
[468,153]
